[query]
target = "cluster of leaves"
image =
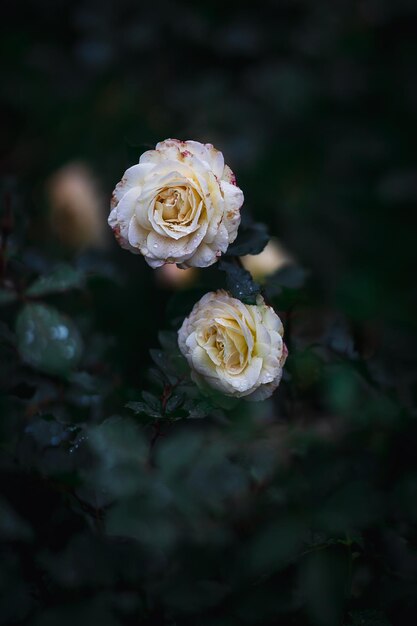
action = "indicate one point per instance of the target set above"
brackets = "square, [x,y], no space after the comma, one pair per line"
[177,398]
[46,338]
[252,239]
[167,521]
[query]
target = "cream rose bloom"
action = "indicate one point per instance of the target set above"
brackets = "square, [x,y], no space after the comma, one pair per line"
[179,204]
[233,347]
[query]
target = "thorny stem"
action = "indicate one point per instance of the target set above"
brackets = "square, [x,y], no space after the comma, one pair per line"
[165,396]
[157,432]
[166,393]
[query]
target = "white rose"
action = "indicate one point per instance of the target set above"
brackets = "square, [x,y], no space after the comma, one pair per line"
[233,347]
[179,204]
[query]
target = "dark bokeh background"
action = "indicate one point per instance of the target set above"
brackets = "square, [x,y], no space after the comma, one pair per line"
[299,510]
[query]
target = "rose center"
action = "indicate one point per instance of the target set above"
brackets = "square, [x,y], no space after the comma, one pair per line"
[172,204]
[226,347]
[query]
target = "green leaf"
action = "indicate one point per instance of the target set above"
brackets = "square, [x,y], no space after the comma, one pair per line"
[171,363]
[174,403]
[48,340]
[62,278]
[288,277]
[168,339]
[137,406]
[199,410]
[239,281]
[289,286]
[86,382]
[152,401]
[7,297]
[129,518]
[120,452]
[156,377]
[141,408]
[117,440]
[47,432]
[144,408]
[162,361]
[252,239]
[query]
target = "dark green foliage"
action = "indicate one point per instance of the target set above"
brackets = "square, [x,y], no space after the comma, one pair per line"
[178,397]
[62,278]
[252,238]
[48,340]
[239,281]
[128,496]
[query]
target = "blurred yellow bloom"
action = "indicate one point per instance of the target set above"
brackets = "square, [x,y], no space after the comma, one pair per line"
[77,214]
[173,277]
[271,259]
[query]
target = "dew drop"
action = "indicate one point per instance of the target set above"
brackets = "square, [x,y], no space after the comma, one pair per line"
[59,332]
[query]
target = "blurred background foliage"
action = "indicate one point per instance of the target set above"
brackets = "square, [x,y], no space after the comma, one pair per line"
[300,510]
